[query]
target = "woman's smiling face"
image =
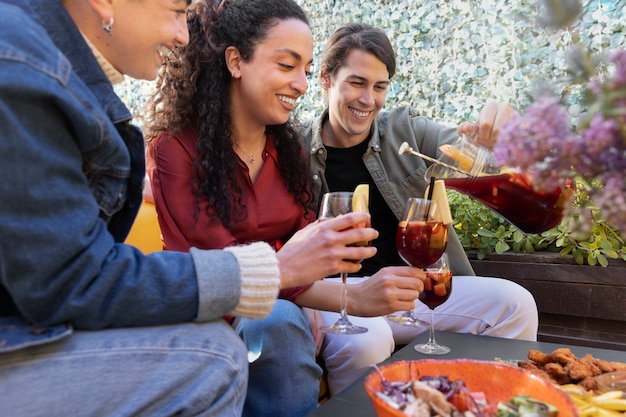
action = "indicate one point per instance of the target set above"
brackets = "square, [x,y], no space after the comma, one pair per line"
[267,86]
[142,31]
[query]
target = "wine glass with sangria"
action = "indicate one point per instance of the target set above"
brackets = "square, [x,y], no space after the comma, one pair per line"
[421,239]
[335,204]
[437,289]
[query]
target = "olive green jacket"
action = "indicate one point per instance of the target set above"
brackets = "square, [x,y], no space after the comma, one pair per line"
[398,177]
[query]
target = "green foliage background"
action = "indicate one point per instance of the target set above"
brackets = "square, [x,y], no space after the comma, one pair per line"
[453,56]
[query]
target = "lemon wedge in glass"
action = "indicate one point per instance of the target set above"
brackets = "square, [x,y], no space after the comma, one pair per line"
[441,197]
[361,198]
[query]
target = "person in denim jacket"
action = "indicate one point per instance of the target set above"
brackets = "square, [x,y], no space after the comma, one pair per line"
[90,326]
[355,141]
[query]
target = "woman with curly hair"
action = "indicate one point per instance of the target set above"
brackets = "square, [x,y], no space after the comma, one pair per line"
[212,94]
[226,168]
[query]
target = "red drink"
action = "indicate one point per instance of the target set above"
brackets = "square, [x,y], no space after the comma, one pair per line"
[421,243]
[437,287]
[512,196]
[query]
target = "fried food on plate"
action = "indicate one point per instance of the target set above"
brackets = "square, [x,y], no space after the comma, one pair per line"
[563,367]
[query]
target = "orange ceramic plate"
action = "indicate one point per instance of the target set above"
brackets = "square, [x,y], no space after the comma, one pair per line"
[498,381]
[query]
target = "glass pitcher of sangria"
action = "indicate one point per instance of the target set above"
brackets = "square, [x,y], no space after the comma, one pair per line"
[470,169]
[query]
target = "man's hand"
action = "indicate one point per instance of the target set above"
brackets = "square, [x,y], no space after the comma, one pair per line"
[394,288]
[490,120]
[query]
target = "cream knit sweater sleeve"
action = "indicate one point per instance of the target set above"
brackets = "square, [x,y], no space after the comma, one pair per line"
[239,280]
[260,279]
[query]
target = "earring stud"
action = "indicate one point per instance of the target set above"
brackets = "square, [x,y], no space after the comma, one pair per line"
[108,26]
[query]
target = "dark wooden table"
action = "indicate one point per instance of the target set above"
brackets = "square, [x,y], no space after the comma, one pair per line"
[354,402]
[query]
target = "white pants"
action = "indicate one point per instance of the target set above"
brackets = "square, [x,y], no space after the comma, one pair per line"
[478,305]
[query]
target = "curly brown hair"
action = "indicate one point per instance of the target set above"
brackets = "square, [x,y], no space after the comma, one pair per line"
[193,91]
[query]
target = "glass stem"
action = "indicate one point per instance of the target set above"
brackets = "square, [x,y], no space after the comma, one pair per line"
[344,295]
[431,338]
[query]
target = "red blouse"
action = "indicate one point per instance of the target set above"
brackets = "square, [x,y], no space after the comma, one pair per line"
[272,214]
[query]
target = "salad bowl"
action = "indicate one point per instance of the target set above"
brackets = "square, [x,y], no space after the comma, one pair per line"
[496,381]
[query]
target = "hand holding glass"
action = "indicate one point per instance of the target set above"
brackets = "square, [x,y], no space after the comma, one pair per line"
[333,205]
[421,239]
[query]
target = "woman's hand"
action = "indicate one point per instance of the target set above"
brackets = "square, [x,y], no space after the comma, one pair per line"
[391,289]
[320,249]
[490,120]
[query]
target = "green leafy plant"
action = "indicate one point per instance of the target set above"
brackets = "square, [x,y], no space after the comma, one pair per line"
[483,231]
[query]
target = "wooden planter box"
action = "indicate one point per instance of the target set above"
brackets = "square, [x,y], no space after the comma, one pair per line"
[578,304]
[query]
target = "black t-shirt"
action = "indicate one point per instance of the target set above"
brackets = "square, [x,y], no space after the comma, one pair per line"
[345,169]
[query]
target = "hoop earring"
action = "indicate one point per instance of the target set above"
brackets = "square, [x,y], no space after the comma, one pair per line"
[108,26]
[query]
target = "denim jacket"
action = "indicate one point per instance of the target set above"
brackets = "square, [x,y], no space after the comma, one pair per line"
[71,174]
[397,177]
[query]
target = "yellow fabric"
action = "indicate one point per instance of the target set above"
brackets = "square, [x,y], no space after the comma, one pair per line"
[145,233]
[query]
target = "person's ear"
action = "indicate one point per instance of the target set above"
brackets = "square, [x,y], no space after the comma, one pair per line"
[104,8]
[233,61]
[325,80]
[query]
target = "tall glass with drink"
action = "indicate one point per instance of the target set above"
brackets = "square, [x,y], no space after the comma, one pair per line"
[421,239]
[336,204]
[437,289]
